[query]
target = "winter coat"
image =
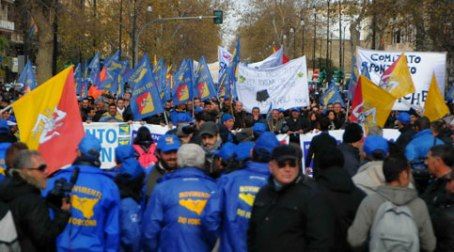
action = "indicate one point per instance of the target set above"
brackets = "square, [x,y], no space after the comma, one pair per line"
[229,209]
[351,157]
[344,198]
[297,217]
[443,222]
[359,231]
[317,144]
[3,148]
[130,223]
[420,145]
[95,211]
[36,230]
[406,134]
[369,177]
[171,221]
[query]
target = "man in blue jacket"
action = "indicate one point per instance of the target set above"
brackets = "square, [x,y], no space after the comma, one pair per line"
[229,209]
[421,143]
[171,221]
[95,199]
[129,180]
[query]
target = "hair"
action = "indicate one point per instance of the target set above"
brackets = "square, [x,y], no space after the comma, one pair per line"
[24,159]
[143,136]
[260,155]
[422,123]
[393,166]
[438,126]
[376,155]
[12,152]
[324,123]
[445,152]
[329,156]
[191,155]
[112,104]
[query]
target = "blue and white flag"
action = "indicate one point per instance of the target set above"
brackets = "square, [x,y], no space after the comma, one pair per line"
[273,60]
[27,77]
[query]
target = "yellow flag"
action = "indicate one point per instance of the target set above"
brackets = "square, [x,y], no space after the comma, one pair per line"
[377,103]
[397,79]
[435,106]
[39,103]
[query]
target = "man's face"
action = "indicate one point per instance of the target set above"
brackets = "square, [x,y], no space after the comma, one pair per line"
[85,103]
[432,162]
[112,110]
[229,124]
[120,104]
[169,158]
[5,115]
[127,96]
[197,103]
[256,112]
[337,108]
[330,107]
[284,172]
[100,105]
[92,112]
[238,107]
[413,119]
[275,114]
[295,114]
[209,141]
[37,173]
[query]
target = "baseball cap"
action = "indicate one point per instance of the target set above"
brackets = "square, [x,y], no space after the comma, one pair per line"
[168,142]
[227,150]
[283,152]
[90,145]
[208,128]
[225,117]
[123,152]
[243,150]
[267,141]
[403,117]
[375,143]
[132,168]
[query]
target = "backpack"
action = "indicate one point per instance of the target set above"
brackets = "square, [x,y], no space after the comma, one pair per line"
[394,229]
[146,159]
[8,234]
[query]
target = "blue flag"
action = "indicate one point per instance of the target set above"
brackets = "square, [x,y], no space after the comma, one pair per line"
[160,72]
[113,57]
[27,77]
[145,99]
[364,70]
[94,69]
[123,77]
[113,69]
[228,79]
[204,86]
[183,91]
[331,95]
[78,78]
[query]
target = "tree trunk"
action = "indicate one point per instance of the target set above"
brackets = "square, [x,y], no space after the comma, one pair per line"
[45,42]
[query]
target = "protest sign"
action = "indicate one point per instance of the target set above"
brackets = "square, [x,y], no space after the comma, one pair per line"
[421,65]
[281,87]
[112,135]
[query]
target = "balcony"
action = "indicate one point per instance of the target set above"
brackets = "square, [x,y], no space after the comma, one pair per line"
[6,25]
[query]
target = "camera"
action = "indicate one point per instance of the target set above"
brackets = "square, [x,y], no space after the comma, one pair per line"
[62,189]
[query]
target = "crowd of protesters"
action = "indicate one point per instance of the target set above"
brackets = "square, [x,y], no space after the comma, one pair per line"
[220,180]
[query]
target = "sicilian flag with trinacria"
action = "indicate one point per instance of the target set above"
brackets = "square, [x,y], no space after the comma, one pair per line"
[49,120]
[396,79]
[145,99]
[371,104]
[204,86]
[183,91]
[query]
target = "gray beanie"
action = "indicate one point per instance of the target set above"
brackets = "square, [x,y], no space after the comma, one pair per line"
[191,155]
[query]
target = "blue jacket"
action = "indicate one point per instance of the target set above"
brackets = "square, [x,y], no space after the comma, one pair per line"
[171,221]
[3,148]
[95,211]
[130,223]
[229,209]
[420,145]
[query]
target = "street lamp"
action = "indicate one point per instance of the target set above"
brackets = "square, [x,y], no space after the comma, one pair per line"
[314,10]
[136,38]
[292,32]
[303,35]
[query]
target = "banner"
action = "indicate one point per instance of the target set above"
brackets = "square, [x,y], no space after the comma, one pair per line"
[224,59]
[305,139]
[282,87]
[273,60]
[112,135]
[421,66]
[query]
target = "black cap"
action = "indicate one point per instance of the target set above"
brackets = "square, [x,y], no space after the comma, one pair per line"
[209,128]
[286,151]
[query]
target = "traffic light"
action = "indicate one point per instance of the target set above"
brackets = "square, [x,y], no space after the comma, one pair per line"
[218,15]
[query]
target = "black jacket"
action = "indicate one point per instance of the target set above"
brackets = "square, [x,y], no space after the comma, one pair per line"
[351,157]
[301,123]
[317,144]
[406,134]
[441,210]
[344,198]
[36,231]
[295,218]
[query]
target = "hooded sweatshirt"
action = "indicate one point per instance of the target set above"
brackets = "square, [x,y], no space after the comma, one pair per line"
[359,231]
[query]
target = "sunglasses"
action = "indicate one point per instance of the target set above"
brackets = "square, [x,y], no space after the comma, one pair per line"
[284,162]
[40,168]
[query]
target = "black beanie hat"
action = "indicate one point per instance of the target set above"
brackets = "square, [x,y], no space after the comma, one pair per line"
[353,133]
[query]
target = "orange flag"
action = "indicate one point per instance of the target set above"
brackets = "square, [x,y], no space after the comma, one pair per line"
[49,120]
[435,106]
